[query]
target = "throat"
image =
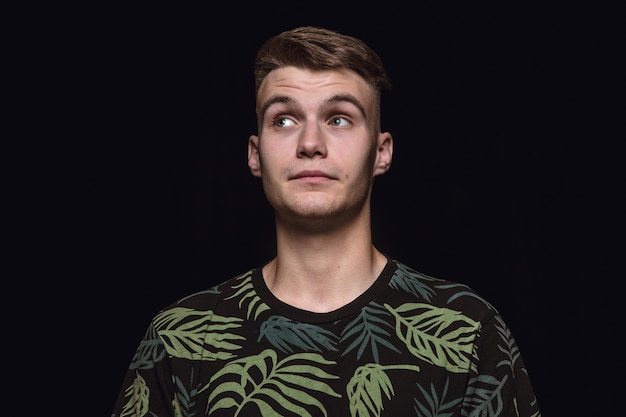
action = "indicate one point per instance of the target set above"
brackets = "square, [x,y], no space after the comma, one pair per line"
[322,299]
[321,290]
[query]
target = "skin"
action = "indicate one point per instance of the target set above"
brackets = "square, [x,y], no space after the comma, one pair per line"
[317,153]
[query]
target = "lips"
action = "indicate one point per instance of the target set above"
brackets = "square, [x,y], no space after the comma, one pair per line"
[311,174]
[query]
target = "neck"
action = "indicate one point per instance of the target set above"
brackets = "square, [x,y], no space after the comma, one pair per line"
[323,271]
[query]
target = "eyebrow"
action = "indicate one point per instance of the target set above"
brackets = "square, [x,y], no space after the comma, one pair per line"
[276,99]
[338,98]
[346,98]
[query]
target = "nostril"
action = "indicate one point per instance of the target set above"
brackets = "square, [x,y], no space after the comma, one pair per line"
[310,146]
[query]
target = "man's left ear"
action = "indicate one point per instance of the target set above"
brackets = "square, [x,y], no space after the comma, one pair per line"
[384,153]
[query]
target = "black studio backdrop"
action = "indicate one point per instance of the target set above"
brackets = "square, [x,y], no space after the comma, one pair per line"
[493,111]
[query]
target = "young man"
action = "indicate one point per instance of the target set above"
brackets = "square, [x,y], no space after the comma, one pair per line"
[330,326]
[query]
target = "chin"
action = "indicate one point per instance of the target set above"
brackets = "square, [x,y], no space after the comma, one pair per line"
[312,214]
[317,208]
[318,218]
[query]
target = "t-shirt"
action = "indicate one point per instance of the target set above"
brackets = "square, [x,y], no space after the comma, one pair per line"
[410,345]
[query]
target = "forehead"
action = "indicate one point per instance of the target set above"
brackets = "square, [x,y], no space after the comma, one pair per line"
[296,82]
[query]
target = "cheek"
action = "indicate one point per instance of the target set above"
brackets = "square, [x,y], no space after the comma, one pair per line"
[274,151]
[270,167]
[267,159]
[362,161]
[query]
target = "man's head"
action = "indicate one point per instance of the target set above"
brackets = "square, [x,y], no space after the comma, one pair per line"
[320,143]
[320,49]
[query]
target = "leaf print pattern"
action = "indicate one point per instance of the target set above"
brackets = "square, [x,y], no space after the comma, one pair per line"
[464,291]
[367,386]
[484,397]
[263,380]
[411,346]
[213,290]
[369,330]
[284,334]
[150,351]
[509,349]
[185,399]
[138,401]
[436,404]
[246,293]
[196,334]
[412,282]
[439,336]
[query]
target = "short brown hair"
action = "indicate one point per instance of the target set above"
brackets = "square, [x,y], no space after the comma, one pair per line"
[320,49]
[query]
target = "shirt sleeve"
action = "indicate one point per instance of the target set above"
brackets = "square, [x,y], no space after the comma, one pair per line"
[148,387]
[499,383]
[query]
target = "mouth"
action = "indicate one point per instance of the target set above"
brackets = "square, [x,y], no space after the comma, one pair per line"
[310,173]
[312,176]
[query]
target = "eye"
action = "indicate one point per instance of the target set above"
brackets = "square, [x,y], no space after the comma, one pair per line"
[283,121]
[339,121]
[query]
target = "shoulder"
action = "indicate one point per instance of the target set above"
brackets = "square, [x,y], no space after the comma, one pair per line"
[440,293]
[211,298]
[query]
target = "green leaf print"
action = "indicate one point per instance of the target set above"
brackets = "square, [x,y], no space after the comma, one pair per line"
[196,334]
[437,335]
[367,386]
[411,281]
[510,348]
[246,292]
[139,398]
[264,381]
[368,330]
[284,333]
[185,399]
[150,351]
[484,397]
[466,292]
[436,404]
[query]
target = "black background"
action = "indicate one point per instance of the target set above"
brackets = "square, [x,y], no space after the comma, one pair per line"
[497,116]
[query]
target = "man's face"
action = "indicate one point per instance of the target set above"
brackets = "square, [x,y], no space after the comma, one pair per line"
[319,145]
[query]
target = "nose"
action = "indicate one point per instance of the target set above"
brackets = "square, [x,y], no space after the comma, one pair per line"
[311,142]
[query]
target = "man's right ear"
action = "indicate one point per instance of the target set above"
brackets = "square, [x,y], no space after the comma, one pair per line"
[253,155]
